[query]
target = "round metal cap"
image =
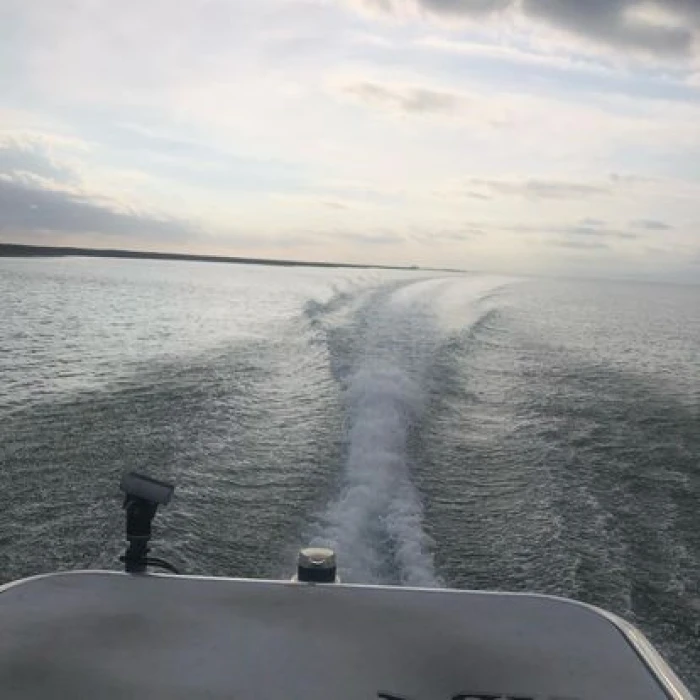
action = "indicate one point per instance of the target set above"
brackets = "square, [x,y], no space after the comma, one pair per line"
[317,565]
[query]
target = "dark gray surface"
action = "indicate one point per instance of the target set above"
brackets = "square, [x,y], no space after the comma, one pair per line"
[109,635]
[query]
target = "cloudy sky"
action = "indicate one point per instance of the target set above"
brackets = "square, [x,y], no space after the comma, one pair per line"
[518,135]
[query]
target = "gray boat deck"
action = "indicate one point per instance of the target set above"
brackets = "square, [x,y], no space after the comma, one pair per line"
[113,635]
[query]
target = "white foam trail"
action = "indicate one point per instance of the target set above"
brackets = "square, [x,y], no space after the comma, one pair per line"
[378,501]
[376,523]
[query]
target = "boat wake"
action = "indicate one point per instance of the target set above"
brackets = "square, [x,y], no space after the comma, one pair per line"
[382,353]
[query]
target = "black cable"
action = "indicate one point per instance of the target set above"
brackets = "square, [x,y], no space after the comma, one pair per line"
[154,561]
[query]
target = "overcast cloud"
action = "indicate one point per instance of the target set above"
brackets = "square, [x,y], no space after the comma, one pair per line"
[38,194]
[503,134]
[668,29]
[29,208]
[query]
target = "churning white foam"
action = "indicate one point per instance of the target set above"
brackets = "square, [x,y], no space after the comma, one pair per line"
[376,523]
[378,509]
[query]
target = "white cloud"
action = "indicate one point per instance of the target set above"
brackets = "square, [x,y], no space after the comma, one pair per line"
[27,152]
[651,225]
[405,98]
[559,60]
[541,189]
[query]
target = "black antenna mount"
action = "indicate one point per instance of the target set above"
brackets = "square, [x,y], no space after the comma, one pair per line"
[142,496]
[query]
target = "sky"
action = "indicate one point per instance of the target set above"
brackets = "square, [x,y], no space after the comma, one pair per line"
[522,136]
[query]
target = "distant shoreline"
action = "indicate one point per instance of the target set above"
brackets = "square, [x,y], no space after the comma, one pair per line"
[16,250]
